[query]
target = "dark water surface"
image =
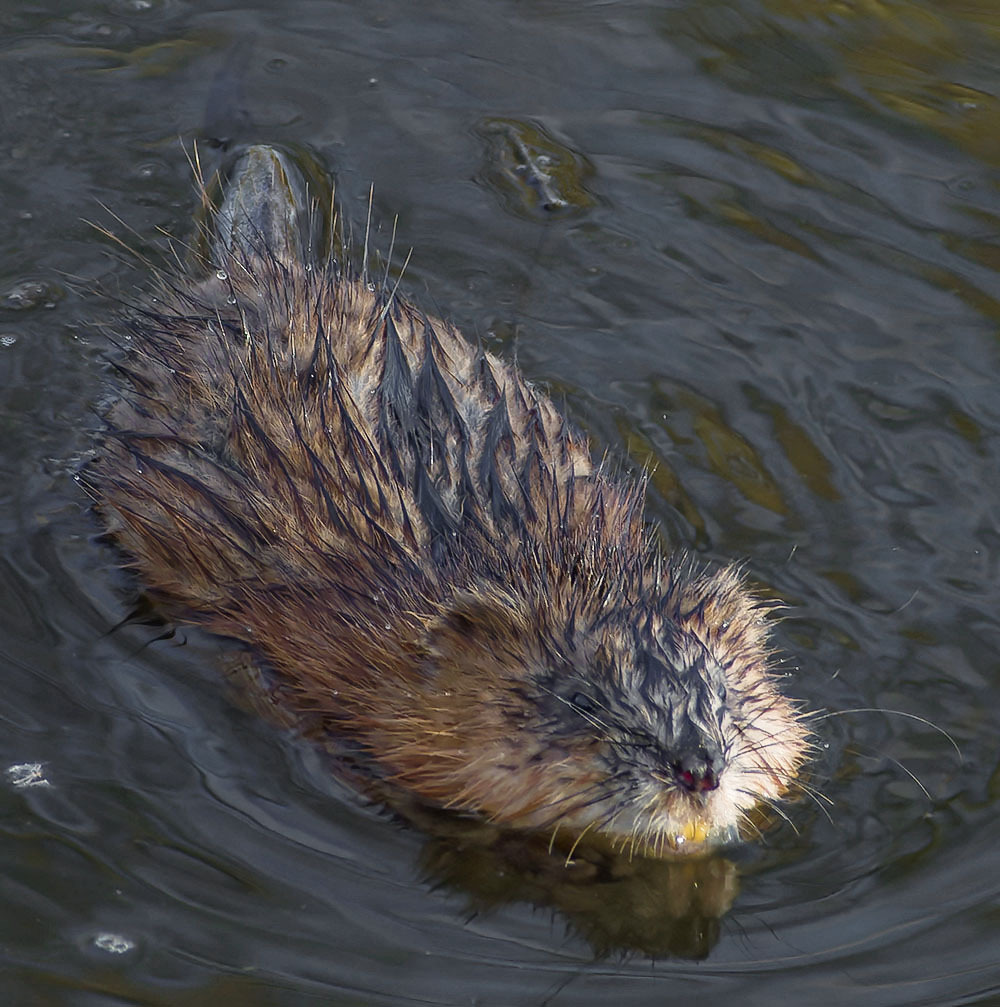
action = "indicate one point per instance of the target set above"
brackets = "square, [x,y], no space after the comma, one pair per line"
[755,244]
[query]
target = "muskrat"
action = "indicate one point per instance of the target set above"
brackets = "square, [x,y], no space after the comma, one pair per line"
[420,551]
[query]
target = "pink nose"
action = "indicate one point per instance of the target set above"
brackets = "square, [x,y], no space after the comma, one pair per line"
[696,776]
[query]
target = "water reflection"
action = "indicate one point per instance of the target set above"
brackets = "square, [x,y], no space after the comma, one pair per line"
[615,901]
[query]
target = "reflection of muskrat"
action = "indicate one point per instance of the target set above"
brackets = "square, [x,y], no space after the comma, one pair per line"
[423,553]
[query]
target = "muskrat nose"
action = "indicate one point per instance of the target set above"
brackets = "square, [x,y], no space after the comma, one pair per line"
[695,773]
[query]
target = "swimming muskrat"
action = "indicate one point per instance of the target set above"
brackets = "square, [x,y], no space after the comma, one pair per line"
[422,554]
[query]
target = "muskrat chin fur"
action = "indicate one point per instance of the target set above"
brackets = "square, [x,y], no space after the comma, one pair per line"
[444,586]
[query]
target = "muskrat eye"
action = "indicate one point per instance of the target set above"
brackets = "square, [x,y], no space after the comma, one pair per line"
[583,703]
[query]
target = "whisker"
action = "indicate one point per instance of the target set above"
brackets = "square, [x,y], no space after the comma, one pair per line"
[899,765]
[829,714]
[775,807]
[576,843]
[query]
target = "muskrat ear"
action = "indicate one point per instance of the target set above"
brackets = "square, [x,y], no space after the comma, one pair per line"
[489,620]
[491,614]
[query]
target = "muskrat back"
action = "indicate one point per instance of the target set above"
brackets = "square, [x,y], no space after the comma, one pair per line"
[420,549]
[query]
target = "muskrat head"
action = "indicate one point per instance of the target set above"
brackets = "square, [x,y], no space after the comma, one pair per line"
[653,721]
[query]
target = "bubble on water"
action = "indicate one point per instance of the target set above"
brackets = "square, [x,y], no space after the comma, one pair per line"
[114,944]
[26,295]
[27,774]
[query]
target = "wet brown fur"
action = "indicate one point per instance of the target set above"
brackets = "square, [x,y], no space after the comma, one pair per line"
[419,547]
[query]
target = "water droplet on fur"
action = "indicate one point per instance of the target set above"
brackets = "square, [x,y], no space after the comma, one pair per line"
[222,274]
[230,299]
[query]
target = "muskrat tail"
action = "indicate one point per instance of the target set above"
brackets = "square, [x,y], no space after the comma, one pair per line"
[265,209]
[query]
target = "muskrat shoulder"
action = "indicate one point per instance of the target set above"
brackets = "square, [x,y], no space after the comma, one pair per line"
[422,552]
